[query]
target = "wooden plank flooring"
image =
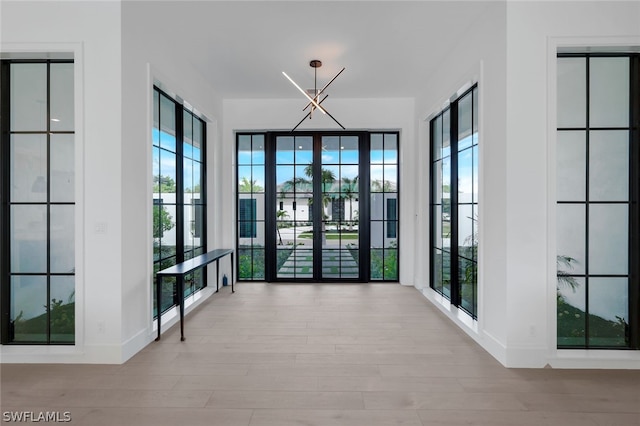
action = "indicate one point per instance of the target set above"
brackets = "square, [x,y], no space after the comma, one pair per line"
[320,355]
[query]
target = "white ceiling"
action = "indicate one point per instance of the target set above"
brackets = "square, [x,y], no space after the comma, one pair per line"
[389,48]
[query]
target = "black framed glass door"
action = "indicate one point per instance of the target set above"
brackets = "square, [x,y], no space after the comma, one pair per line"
[314,192]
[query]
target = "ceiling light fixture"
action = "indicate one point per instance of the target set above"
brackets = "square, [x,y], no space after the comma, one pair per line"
[315,101]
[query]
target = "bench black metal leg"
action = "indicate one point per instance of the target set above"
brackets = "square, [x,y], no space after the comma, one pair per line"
[181,299]
[232,265]
[217,273]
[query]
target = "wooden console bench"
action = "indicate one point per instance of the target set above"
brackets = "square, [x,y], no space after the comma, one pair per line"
[180,270]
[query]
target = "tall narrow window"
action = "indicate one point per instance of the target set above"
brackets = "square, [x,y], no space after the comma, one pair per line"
[454,202]
[598,157]
[179,202]
[38,193]
[384,215]
[251,187]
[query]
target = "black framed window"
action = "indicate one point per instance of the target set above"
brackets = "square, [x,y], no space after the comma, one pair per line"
[251,206]
[37,153]
[179,200]
[383,198]
[598,222]
[454,202]
[353,179]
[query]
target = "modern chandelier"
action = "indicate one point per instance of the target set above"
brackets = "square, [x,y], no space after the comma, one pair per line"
[315,101]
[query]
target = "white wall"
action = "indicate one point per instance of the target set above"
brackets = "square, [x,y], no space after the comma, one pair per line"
[92,33]
[369,114]
[479,57]
[534,31]
[147,58]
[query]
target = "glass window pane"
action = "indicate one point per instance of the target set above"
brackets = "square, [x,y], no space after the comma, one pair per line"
[465,231]
[377,206]
[285,181]
[156,114]
[571,238]
[437,223]
[245,181]
[609,92]
[376,176]
[571,161]
[467,278]
[28,238]
[571,308]
[62,309]
[187,146]
[476,167]
[28,95]
[304,150]
[61,97]
[377,234]
[608,238]
[436,138]
[377,264]
[28,158]
[475,115]
[257,172]
[376,140]
[29,308]
[608,312]
[437,270]
[62,238]
[257,146]
[437,182]
[390,178]
[284,150]
[609,165]
[390,264]
[465,176]
[62,162]
[198,138]
[446,133]
[258,264]
[187,175]
[390,148]
[189,226]
[572,86]
[465,122]
[244,149]
[349,150]
[167,124]
[446,274]
[196,190]
[330,150]
[167,174]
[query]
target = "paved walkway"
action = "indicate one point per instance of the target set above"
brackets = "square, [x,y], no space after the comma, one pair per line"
[336,263]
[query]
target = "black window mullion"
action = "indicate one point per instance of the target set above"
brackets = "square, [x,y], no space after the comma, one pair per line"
[270,195]
[48,202]
[634,200]
[454,261]
[587,205]
[5,280]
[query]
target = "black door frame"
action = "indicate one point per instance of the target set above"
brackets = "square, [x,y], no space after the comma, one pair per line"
[363,203]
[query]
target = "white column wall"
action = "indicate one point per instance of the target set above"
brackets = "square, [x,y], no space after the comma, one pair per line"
[91,31]
[146,59]
[534,30]
[479,57]
[367,114]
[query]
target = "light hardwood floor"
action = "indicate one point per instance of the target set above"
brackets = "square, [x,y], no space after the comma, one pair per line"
[325,355]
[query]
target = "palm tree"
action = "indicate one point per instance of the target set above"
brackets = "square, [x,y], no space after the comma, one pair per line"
[247,185]
[328,178]
[350,190]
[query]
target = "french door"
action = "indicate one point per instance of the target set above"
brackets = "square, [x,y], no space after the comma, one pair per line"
[316,207]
